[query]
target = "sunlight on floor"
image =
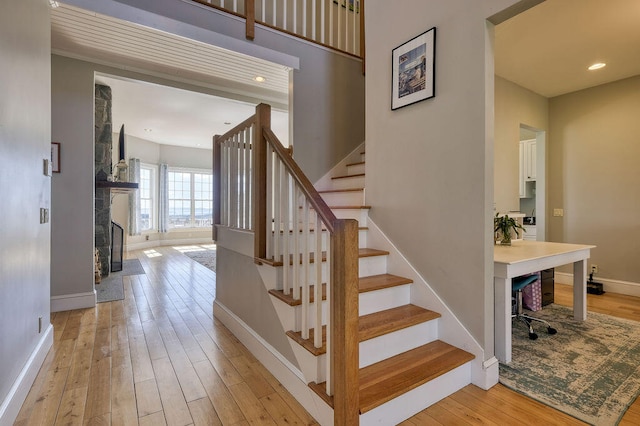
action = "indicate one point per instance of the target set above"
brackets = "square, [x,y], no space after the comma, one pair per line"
[152,253]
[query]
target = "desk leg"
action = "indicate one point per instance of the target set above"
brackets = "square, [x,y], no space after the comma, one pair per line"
[502,318]
[580,290]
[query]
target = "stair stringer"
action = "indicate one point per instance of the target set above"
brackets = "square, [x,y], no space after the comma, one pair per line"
[484,373]
[325,182]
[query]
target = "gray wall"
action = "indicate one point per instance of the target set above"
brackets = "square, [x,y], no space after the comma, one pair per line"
[25,140]
[514,105]
[594,150]
[430,165]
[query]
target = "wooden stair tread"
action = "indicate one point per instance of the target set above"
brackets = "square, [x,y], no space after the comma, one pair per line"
[372,325]
[348,176]
[371,283]
[378,282]
[356,163]
[288,297]
[331,191]
[362,252]
[390,320]
[385,380]
[345,207]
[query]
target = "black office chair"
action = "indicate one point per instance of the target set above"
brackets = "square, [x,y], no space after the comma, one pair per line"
[517,285]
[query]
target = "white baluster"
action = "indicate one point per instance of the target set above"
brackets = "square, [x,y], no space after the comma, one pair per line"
[276,213]
[317,341]
[247,178]
[284,181]
[269,226]
[305,269]
[241,189]
[329,357]
[274,12]
[296,242]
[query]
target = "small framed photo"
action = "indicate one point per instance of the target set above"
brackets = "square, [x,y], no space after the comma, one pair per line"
[413,70]
[55,157]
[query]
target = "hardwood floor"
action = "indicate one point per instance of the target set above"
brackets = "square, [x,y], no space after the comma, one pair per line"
[159,357]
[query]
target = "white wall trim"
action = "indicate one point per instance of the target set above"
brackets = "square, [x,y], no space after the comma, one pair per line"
[610,286]
[18,393]
[68,302]
[290,376]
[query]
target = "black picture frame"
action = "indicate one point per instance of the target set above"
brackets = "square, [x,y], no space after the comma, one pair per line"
[413,67]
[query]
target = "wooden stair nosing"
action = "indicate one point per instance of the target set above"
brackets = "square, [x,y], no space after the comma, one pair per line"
[348,176]
[385,380]
[362,252]
[345,207]
[357,163]
[331,191]
[373,325]
[366,284]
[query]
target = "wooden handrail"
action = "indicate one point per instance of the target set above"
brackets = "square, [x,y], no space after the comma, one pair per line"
[309,191]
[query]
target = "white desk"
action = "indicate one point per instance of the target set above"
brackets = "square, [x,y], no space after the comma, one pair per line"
[524,257]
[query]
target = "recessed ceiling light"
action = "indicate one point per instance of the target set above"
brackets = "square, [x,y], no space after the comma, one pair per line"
[597,66]
[227,123]
[259,79]
[148,130]
[54,4]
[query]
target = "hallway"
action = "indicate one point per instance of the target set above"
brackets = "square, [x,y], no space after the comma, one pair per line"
[157,357]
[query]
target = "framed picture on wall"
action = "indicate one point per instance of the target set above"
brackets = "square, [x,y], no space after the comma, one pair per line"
[413,70]
[55,157]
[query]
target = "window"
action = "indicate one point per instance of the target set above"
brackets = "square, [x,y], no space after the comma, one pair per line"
[190,199]
[147,199]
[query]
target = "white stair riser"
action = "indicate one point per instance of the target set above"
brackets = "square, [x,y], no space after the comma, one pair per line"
[361,215]
[311,240]
[362,157]
[372,265]
[351,198]
[311,315]
[391,344]
[355,169]
[348,183]
[416,400]
[380,300]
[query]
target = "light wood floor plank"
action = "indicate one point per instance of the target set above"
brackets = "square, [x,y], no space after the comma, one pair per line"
[203,413]
[72,407]
[155,419]
[147,398]
[226,407]
[174,405]
[251,407]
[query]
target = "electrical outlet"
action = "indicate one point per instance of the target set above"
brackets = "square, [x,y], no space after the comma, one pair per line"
[558,212]
[46,167]
[39,325]
[44,215]
[594,269]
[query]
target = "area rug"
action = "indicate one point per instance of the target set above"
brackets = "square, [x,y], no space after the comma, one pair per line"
[204,257]
[589,370]
[111,287]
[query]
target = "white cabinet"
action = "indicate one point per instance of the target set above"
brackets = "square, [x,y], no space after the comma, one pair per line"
[530,232]
[527,168]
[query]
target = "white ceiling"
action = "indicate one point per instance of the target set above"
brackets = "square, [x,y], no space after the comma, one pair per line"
[545,49]
[548,48]
[175,117]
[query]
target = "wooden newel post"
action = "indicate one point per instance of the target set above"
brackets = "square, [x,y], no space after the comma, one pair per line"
[344,323]
[250,17]
[217,185]
[259,202]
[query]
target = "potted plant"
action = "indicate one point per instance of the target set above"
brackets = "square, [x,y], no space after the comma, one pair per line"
[503,225]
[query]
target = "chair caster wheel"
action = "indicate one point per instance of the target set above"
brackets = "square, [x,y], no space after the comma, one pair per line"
[551,330]
[533,336]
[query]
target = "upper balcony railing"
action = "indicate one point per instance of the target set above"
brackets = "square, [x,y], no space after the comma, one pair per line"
[337,24]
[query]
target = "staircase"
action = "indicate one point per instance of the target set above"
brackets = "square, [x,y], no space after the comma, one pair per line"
[404,367]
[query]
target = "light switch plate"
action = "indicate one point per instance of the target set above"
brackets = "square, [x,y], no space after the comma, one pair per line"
[46,167]
[558,212]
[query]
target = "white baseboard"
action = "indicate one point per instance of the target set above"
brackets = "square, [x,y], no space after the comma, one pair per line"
[18,393]
[176,242]
[68,302]
[282,369]
[610,286]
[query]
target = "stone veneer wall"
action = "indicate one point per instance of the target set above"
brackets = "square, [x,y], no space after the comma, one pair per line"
[103,146]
